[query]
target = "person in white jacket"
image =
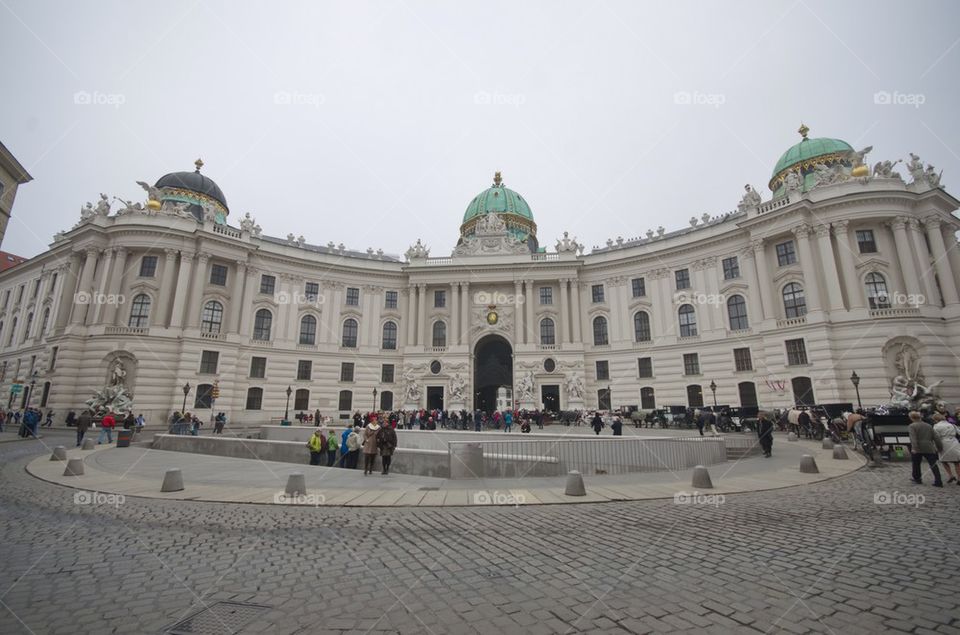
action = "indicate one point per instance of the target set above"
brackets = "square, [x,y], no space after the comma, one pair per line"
[950,456]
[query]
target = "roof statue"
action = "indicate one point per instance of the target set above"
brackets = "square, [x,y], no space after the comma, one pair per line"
[884,170]
[418,251]
[922,176]
[749,200]
[568,245]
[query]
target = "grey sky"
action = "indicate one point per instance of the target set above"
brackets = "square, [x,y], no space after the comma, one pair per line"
[402,110]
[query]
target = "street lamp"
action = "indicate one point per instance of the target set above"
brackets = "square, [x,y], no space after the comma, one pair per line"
[286,411]
[33,383]
[186,391]
[855,380]
[713,389]
[374,400]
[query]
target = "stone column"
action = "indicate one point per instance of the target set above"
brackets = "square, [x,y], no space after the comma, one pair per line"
[333,326]
[292,325]
[832,277]
[530,328]
[716,307]
[664,323]
[411,315]
[564,313]
[517,313]
[82,298]
[949,237]
[855,294]
[103,286]
[577,312]
[754,305]
[905,256]
[454,338]
[948,284]
[245,307]
[925,270]
[167,279]
[68,287]
[809,267]
[763,278]
[237,297]
[112,315]
[421,313]
[465,304]
[183,284]
[704,310]
[614,321]
[199,281]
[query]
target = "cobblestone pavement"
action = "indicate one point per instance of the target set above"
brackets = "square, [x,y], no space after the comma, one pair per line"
[820,558]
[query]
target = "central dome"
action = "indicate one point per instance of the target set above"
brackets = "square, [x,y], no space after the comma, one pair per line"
[806,155]
[497,199]
[187,183]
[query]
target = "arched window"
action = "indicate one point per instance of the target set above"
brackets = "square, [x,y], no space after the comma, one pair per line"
[386,401]
[389,336]
[204,397]
[794,303]
[877,291]
[26,330]
[737,311]
[802,391]
[439,333]
[45,322]
[648,400]
[140,312]
[688,321]
[600,337]
[345,400]
[548,336]
[212,317]
[641,326]
[254,398]
[301,399]
[694,396]
[308,330]
[262,325]
[748,394]
[349,339]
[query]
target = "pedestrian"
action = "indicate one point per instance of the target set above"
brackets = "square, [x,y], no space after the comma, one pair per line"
[129,422]
[765,432]
[317,444]
[83,424]
[141,421]
[107,424]
[617,426]
[354,444]
[32,420]
[48,423]
[507,421]
[344,450]
[924,444]
[387,444]
[950,454]
[370,445]
[597,423]
[331,449]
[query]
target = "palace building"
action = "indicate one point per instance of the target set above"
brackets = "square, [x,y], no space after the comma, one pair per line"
[845,268]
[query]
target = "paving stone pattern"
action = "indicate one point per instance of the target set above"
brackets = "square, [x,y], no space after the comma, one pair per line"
[820,558]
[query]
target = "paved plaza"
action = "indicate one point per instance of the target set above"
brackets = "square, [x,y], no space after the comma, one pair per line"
[822,557]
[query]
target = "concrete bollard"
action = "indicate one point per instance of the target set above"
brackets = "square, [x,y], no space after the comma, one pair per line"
[296,484]
[172,480]
[466,461]
[701,478]
[575,486]
[59,454]
[828,444]
[74,468]
[808,465]
[791,436]
[88,444]
[840,453]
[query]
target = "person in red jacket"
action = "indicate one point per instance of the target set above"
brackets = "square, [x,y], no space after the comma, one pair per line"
[106,428]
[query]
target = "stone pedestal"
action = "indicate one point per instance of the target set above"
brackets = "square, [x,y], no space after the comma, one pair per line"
[88,444]
[701,478]
[296,485]
[172,481]
[74,468]
[840,452]
[575,486]
[59,454]
[808,465]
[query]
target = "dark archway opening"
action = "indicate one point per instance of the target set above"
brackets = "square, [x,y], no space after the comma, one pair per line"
[493,368]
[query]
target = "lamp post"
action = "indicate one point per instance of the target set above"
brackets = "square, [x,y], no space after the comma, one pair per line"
[186,391]
[713,389]
[374,400]
[286,410]
[33,384]
[855,380]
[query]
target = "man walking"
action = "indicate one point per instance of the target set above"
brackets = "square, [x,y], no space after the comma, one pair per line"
[106,428]
[83,424]
[317,444]
[924,444]
[765,433]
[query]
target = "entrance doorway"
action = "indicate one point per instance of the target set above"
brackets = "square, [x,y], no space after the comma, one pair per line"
[492,369]
[550,398]
[434,397]
[748,394]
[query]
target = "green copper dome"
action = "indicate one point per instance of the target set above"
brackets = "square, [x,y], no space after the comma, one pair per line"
[497,199]
[808,152]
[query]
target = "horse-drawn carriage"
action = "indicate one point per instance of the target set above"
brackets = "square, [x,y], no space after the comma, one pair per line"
[817,421]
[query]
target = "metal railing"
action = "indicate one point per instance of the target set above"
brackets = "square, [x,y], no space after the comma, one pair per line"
[590,456]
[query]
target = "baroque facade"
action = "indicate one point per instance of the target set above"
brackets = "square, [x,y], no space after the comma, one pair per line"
[845,268]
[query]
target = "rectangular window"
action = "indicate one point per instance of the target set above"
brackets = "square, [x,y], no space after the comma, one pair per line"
[731,268]
[786,253]
[866,241]
[36,288]
[546,295]
[218,275]
[796,353]
[258,367]
[268,284]
[742,360]
[691,364]
[682,277]
[390,300]
[6,298]
[53,360]
[20,294]
[311,290]
[304,370]
[148,266]
[346,371]
[439,298]
[645,367]
[603,370]
[639,287]
[353,296]
[386,374]
[254,398]
[597,291]
[208,362]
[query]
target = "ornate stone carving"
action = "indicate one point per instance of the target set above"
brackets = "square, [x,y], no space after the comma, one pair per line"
[802,231]
[792,182]
[574,387]
[840,228]
[458,387]
[756,244]
[922,176]
[749,200]
[418,251]
[525,386]
[884,170]
[932,222]
[568,245]
[491,238]
[822,229]
[411,387]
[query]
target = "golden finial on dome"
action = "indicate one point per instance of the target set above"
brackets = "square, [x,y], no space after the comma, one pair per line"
[803,130]
[497,180]
[199,164]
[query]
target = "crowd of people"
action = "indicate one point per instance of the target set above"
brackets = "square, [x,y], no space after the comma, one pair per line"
[372,439]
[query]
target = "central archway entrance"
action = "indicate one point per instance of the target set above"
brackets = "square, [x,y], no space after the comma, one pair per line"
[492,369]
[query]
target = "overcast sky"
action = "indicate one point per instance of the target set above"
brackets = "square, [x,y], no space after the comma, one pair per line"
[374,124]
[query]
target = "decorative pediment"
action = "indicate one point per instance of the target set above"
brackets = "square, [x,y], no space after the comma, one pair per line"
[873,262]
[734,286]
[793,272]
